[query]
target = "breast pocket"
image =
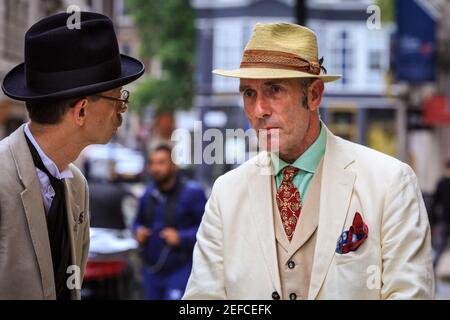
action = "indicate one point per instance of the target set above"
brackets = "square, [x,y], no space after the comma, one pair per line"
[354,257]
[357,274]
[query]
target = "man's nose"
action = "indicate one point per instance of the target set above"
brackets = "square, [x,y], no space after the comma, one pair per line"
[262,107]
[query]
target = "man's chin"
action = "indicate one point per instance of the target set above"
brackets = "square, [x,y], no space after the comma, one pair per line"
[161,181]
[105,140]
[269,140]
[119,121]
[270,145]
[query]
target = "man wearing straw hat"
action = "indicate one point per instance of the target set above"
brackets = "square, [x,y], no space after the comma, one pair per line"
[332,220]
[71,82]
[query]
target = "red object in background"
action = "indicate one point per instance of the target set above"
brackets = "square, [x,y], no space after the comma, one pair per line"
[96,270]
[436,110]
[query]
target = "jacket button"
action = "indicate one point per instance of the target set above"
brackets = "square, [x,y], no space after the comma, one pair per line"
[293,296]
[291,264]
[275,296]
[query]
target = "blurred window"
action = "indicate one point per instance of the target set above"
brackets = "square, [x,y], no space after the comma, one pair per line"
[14,27]
[378,57]
[343,55]
[375,60]
[343,121]
[382,131]
[230,38]
[227,51]
[360,55]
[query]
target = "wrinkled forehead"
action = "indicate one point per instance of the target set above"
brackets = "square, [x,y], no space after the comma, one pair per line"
[253,83]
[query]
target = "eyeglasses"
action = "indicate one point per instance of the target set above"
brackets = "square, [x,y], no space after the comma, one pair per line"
[124,99]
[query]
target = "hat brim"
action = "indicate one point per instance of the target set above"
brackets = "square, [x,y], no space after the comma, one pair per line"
[272,73]
[15,86]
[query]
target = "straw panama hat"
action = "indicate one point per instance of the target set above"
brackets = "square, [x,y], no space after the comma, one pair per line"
[280,50]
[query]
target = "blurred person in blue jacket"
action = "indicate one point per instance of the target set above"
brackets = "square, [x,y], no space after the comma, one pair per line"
[166,224]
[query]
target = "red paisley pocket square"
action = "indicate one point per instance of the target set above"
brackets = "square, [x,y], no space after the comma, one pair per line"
[352,239]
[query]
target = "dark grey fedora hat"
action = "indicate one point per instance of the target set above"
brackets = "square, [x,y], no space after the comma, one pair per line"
[62,63]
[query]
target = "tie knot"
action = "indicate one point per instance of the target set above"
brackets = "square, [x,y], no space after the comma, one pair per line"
[289,173]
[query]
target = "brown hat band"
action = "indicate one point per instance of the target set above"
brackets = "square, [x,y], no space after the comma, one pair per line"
[278,60]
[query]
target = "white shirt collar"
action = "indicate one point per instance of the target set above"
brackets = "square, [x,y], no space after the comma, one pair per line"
[48,163]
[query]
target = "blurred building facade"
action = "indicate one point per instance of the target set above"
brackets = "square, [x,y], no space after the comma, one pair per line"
[357,106]
[422,85]
[16,16]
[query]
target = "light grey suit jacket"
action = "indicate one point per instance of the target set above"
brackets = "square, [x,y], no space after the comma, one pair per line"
[26,270]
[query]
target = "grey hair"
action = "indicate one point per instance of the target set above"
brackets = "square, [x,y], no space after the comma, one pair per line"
[304,85]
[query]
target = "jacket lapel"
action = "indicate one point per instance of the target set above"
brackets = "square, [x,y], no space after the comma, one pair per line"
[34,209]
[309,217]
[336,190]
[73,211]
[259,189]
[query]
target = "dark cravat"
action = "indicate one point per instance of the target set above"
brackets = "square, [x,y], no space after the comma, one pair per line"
[57,228]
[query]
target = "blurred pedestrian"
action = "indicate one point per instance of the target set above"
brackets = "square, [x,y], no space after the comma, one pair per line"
[313,216]
[166,224]
[441,212]
[71,82]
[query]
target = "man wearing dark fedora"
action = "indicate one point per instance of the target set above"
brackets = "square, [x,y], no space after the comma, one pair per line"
[71,82]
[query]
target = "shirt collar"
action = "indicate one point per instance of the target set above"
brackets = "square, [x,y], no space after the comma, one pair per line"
[309,160]
[48,163]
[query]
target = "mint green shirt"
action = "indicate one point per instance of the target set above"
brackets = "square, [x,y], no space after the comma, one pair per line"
[307,163]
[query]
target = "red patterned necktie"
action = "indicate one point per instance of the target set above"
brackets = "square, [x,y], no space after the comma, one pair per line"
[288,200]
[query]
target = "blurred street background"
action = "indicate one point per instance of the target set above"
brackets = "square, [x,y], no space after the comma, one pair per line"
[394,56]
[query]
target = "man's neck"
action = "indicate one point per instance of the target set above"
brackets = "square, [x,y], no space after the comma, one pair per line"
[57,143]
[311,136]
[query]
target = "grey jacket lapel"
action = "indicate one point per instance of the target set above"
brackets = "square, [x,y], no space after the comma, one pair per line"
[73,211]
[34,209]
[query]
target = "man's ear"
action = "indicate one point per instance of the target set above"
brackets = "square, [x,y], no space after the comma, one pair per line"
[79,111]
[315,92]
